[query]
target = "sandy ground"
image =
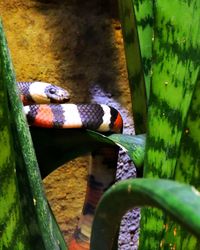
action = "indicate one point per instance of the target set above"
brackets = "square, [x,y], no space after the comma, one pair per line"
[78,45]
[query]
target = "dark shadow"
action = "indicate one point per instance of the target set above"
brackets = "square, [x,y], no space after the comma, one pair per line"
[83,43]
[54,147]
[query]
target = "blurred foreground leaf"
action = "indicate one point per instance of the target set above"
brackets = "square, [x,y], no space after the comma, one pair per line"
[180,201]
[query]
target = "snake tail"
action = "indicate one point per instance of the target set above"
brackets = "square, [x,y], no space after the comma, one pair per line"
[102,173]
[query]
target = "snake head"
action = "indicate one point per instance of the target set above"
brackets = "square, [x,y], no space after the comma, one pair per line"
[56,94]
[42,92]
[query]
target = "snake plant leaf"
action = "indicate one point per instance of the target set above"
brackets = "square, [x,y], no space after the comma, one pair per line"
[14,233]
[134,65]
[26,221]
[187,168]
[133,144]
[173,127]
[180,201]
[144,21]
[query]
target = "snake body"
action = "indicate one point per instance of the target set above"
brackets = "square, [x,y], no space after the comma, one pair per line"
[97,117]
[43,112]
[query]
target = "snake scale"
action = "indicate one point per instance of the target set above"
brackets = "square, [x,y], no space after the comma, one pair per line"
[45,105]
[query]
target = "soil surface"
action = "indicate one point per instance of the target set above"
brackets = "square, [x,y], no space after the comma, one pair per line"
[77,45]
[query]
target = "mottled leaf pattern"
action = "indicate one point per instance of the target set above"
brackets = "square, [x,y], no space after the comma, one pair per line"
[175,79]
[134,65]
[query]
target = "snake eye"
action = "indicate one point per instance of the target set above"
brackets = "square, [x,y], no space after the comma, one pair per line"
[52,91]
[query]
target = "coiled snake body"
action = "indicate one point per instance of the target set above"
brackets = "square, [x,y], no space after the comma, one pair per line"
[45,106]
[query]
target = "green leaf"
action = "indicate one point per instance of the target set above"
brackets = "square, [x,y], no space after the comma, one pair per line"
[13,229]
[144,22]
[26,222]
[175,75]
[134,65]
[187,168]
[173,112]
[180,201]
[133,144]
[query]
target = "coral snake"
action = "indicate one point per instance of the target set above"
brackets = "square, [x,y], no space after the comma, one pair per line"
[45,105]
